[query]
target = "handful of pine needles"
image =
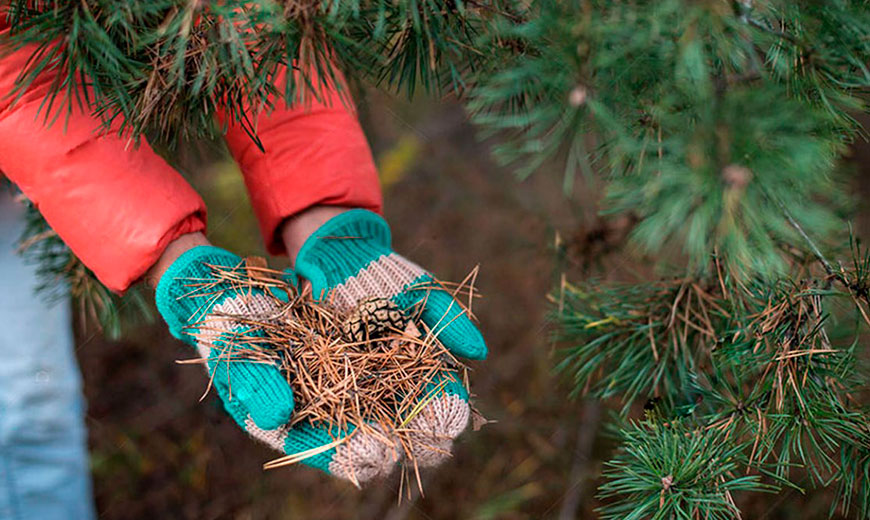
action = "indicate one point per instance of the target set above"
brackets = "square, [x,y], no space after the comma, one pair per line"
[370,368]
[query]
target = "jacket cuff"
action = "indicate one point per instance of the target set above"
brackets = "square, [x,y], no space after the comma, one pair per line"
[192,223]
[315,154]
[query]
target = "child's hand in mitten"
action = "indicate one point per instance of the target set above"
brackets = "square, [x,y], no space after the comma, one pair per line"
[349,259]
[213,316]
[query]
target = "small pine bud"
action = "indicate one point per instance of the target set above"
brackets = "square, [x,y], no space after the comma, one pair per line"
[577,96]
[736,176]
[667,482]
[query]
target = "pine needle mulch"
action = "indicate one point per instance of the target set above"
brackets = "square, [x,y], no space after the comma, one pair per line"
[374,378]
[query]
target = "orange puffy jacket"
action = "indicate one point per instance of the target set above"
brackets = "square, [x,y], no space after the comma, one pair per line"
[117,207]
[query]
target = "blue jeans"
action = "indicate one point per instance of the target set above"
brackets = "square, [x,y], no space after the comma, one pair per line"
[43,445]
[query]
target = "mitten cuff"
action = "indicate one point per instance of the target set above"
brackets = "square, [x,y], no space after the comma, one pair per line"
[175,291]
[341,247]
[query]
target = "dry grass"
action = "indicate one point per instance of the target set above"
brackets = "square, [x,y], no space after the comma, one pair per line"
[375,384]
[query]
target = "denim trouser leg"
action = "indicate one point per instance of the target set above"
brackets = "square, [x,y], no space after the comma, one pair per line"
[43,450]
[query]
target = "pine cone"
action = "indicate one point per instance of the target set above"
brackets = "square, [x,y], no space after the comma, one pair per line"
[373,319]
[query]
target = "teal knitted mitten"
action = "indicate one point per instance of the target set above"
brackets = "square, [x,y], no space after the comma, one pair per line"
[350,259]
[256,395]
[203,319]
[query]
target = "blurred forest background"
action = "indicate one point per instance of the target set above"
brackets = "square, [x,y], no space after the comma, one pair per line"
[157,452]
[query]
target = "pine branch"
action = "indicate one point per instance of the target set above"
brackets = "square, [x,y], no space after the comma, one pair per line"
[167,67]
[61,275]
[762,365]
[675,471]
[698,112]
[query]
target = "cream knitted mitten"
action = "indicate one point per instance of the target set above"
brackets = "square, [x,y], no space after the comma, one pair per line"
[350,259]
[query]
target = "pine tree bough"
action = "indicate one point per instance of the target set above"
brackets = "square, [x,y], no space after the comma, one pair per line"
[746,386]
[719,129]
[165,68]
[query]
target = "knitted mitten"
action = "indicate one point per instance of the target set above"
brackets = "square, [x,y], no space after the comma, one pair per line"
[350,259]
[255,395]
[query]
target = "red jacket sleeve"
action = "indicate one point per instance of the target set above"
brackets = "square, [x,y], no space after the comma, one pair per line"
[115,206]
[315,154]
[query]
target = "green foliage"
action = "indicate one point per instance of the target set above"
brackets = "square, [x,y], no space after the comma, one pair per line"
[169,67]
[718,127]
[854,478]
[615,329]
[771,365]
[675,472]
[706,117]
